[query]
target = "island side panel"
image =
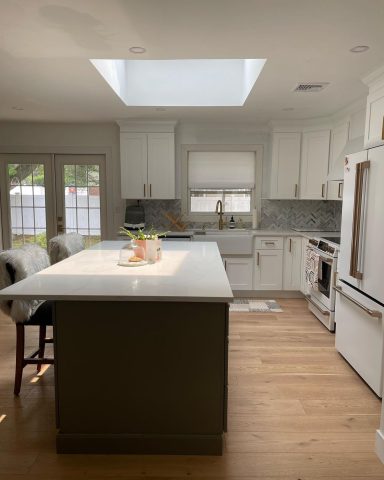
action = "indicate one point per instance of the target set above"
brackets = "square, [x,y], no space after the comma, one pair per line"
[141,377]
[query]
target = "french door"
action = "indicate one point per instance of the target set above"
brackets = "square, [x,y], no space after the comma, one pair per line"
[43,195]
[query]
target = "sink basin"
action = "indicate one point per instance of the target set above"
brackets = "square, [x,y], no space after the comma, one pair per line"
[230,242]
[227,231]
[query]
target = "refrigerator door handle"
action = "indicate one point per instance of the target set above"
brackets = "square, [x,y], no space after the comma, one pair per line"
[371,313]
[358,219]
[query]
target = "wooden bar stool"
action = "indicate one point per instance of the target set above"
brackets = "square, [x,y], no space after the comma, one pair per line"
[16,265]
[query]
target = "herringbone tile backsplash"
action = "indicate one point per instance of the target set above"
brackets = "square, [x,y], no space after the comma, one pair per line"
[275,214]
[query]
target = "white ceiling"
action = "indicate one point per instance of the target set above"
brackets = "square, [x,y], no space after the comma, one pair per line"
[45,47]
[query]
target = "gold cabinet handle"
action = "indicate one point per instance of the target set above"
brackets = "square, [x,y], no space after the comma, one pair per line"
[382,130]
[258,259]
[150,189]
[322,190]
[296,189]
[144,189]
[339,191]
[290,245]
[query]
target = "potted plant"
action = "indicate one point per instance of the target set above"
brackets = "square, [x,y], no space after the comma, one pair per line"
[149,241]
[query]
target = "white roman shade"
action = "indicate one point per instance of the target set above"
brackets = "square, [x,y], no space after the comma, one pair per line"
[218,170]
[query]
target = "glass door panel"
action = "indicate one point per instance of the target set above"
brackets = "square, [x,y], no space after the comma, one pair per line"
[24,199]
[80,179]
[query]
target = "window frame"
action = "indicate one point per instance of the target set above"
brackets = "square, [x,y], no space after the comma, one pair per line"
[256,191]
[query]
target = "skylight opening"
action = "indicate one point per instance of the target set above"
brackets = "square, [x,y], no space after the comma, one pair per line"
[181,83]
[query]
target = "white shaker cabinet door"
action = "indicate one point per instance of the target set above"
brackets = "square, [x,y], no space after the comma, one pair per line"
[292,263]
[161,165]
[374,123]
[268,270]
[133,161]
[239,272]
[314,165]
[285,165]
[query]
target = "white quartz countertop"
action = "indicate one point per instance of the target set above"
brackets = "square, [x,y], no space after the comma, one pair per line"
[188,272]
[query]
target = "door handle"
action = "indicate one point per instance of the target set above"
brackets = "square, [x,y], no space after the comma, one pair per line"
[357,219]
[370,312]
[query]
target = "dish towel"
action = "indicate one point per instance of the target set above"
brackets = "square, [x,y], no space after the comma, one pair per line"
[312,260]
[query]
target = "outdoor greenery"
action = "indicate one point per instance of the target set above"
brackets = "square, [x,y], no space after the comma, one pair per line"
[74,175]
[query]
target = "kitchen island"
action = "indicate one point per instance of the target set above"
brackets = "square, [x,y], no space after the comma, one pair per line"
[140,353]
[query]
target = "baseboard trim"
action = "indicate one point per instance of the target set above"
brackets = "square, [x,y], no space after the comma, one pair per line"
[379,445]
[139,444]
[267,294]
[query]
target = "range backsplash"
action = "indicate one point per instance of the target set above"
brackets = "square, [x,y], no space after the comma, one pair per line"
[275,214]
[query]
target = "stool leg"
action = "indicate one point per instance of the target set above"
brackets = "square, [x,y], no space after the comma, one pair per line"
[42,335]
[20,339]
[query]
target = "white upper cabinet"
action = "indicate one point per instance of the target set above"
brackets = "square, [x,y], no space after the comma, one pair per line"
[147,165]
[133,160]
[314,165]
[374,120]
[161,165]
[339,139]
[285,166]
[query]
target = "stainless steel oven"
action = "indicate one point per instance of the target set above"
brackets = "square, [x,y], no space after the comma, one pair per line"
[321,300]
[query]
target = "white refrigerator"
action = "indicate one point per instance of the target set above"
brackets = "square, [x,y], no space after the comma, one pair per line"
[359,308]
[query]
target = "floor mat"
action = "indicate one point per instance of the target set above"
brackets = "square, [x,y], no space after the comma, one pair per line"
[254,305]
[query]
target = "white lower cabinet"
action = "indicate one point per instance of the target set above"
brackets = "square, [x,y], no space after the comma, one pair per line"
[239,272]
[268,270]
[292,263]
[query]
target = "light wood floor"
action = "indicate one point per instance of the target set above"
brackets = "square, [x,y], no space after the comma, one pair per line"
[296,411]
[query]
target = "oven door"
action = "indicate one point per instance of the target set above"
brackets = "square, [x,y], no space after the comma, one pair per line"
[325,293]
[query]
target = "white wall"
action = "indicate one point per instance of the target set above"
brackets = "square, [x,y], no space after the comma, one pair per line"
[63,138]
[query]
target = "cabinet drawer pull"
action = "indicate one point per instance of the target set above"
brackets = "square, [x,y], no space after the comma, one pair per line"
[371,313]
[322,190]
[339,192]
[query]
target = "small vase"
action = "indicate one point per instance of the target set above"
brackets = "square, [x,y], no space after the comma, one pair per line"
[152,249]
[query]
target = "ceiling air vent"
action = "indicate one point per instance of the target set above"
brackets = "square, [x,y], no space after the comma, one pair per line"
[310,87]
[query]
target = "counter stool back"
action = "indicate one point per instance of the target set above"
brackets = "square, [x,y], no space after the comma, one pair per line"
[15,265]
[65,245]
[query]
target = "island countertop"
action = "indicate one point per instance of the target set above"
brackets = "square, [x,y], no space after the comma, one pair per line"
[188,272]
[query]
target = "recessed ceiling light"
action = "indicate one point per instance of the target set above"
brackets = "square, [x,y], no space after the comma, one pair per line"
[137,50]
[17,108]
[359,49]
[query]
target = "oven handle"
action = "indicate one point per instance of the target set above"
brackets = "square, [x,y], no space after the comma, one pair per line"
[324,312]
[371,313]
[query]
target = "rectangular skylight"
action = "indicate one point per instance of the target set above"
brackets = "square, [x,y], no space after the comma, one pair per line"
[181,83]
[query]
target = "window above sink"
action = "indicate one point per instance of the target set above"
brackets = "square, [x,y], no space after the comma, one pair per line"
[229,173]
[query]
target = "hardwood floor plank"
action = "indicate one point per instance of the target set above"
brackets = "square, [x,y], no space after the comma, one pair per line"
[296,411]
